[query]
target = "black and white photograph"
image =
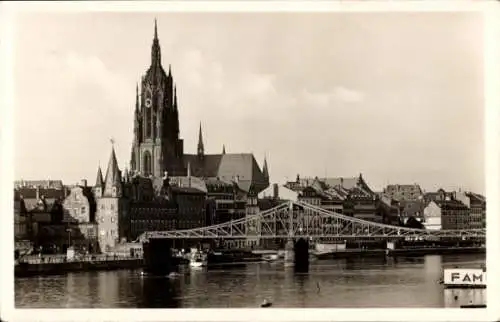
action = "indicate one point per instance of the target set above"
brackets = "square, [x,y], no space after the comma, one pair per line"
[170,159]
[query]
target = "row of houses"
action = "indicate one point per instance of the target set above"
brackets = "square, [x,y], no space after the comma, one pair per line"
[396,204]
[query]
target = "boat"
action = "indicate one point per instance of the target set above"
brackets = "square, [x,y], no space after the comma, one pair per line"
[197,259]
[270,257]
[266,303]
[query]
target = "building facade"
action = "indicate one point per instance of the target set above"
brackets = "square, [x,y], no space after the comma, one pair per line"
[403,191]
[446,212]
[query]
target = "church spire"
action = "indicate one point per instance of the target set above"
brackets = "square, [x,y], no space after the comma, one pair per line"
[265,169]
[223,149]
[201,149]
[155,49]
[156,31]
[99,181]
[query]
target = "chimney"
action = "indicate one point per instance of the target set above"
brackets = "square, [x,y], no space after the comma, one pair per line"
[83,183]
[275,191]
[37,193]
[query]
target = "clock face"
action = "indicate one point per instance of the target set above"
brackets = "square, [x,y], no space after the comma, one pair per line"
[149,96]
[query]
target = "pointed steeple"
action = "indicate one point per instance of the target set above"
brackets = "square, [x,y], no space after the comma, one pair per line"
[223,149]
[155,49]
[201,149]
[113,177]
[156,31]
[265,169]
[99,182]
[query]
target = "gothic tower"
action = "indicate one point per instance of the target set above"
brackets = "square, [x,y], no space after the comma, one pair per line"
[156,146]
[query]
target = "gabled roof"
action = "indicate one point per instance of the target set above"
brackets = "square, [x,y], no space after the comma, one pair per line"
[241,168]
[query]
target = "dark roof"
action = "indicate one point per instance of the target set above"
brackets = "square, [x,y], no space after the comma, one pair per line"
[205,167]
[454,204]
[239,167]
[187,190]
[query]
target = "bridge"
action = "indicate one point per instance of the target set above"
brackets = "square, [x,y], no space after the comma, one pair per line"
[302,220]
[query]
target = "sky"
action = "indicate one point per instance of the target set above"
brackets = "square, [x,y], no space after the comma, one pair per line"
[397,97]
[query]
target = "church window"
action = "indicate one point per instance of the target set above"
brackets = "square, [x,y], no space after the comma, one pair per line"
[147,167]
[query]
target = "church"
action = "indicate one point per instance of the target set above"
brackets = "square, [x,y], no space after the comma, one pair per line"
[157,148]
[166,189]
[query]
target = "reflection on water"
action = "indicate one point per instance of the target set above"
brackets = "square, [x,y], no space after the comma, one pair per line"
[362,282]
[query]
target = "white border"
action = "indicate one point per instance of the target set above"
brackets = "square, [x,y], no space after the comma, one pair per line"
[492,89]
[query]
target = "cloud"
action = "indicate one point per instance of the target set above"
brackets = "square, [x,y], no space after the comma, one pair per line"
[336,95]
[347,95]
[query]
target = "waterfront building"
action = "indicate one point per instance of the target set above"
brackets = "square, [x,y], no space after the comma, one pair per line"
[411,209]
[79,206]
[403,191]
[446,212]
[477,206]
[348,196]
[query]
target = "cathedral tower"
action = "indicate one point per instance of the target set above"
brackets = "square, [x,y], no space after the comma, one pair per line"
[156,147]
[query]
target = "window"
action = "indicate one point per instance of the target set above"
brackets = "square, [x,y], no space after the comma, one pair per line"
[83,210]
[113,219]
[112,207]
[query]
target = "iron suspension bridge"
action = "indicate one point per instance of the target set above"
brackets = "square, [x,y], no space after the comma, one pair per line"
[298,219]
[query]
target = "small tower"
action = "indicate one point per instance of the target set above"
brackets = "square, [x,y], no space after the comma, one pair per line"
[201,149]
[265,170]
[223,149]
[111,205]
[99,184]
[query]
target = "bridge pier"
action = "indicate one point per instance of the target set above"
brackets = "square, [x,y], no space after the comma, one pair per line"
[157,256]
[297,254]
[301,255]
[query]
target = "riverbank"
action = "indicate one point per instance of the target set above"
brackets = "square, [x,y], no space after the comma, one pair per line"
[26,269]
[348,253]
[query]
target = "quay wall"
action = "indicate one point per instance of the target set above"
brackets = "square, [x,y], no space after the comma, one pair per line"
[25,269]
[401,252]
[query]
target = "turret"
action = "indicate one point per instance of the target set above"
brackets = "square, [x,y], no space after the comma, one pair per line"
[99,184]
[265,169]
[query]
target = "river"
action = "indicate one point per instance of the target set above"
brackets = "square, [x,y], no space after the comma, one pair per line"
[349,283]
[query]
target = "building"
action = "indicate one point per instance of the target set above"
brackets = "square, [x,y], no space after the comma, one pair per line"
[349,196]
[157,147]
[477,206]
[403,191]
[446,212]
[112,205]
[20,219]
[79,206]
[411,208]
